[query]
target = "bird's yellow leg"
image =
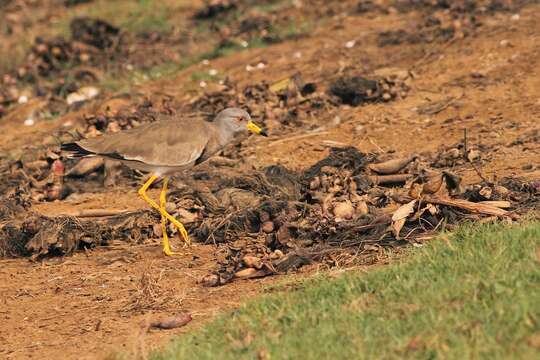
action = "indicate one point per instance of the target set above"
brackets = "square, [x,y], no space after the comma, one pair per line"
[164,214]
[162,203]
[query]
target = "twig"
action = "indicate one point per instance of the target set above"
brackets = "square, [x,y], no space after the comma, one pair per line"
[297,137]
[429,54]
[479,173]
[465,144]
[375,144]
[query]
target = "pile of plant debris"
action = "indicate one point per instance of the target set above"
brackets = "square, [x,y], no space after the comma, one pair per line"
[442,20]
[348,206]
[59,66]
[345,209]
[23,232]
[388,84]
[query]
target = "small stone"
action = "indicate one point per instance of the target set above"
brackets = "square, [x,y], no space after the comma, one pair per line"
[359,129]
[315,183]
[473,155]
[501,190]
[85,57]
[170,207]
[158,231]
[264,216]
[453,153]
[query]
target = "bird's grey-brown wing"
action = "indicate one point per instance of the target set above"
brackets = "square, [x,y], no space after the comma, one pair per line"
[162,143]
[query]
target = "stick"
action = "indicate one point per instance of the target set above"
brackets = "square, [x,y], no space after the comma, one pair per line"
[99,213]
[472,207]
[389,179]
[466,158]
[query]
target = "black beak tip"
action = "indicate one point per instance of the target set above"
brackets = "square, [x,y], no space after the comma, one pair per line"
[263,133]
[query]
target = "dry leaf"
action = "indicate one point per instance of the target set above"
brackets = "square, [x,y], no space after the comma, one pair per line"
[404,210]
[400,217]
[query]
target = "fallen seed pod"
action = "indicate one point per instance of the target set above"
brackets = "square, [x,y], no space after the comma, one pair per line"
[250,273]
[252,262]
[170,207]
[267,227]
[172,322]
[86,166]
[391,166]
[210,280]
[433,185]
[344,210]
[453,182]
[264,216]
[283,235]
[389,179]
[502,204]
[486,192]
[453,153]
[362,208]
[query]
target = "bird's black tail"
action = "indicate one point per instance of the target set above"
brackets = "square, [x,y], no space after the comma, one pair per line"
[75,150]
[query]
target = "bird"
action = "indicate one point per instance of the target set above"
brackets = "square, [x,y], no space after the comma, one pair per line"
[170,145]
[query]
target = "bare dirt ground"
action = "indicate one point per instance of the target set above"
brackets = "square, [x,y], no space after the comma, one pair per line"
[482,78]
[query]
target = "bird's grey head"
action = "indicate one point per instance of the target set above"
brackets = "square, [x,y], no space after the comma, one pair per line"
[235,120]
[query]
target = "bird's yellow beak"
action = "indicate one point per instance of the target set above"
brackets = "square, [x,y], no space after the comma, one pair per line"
[254,128]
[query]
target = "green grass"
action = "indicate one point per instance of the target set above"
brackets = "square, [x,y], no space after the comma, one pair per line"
[132,15]
[475,294]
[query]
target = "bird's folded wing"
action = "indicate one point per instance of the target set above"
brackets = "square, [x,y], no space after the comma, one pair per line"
[163,143]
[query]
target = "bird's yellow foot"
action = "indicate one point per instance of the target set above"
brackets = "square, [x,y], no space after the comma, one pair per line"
[164,215]
[162,202]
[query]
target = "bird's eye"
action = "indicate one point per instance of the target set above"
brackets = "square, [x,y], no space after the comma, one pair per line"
[240,119]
